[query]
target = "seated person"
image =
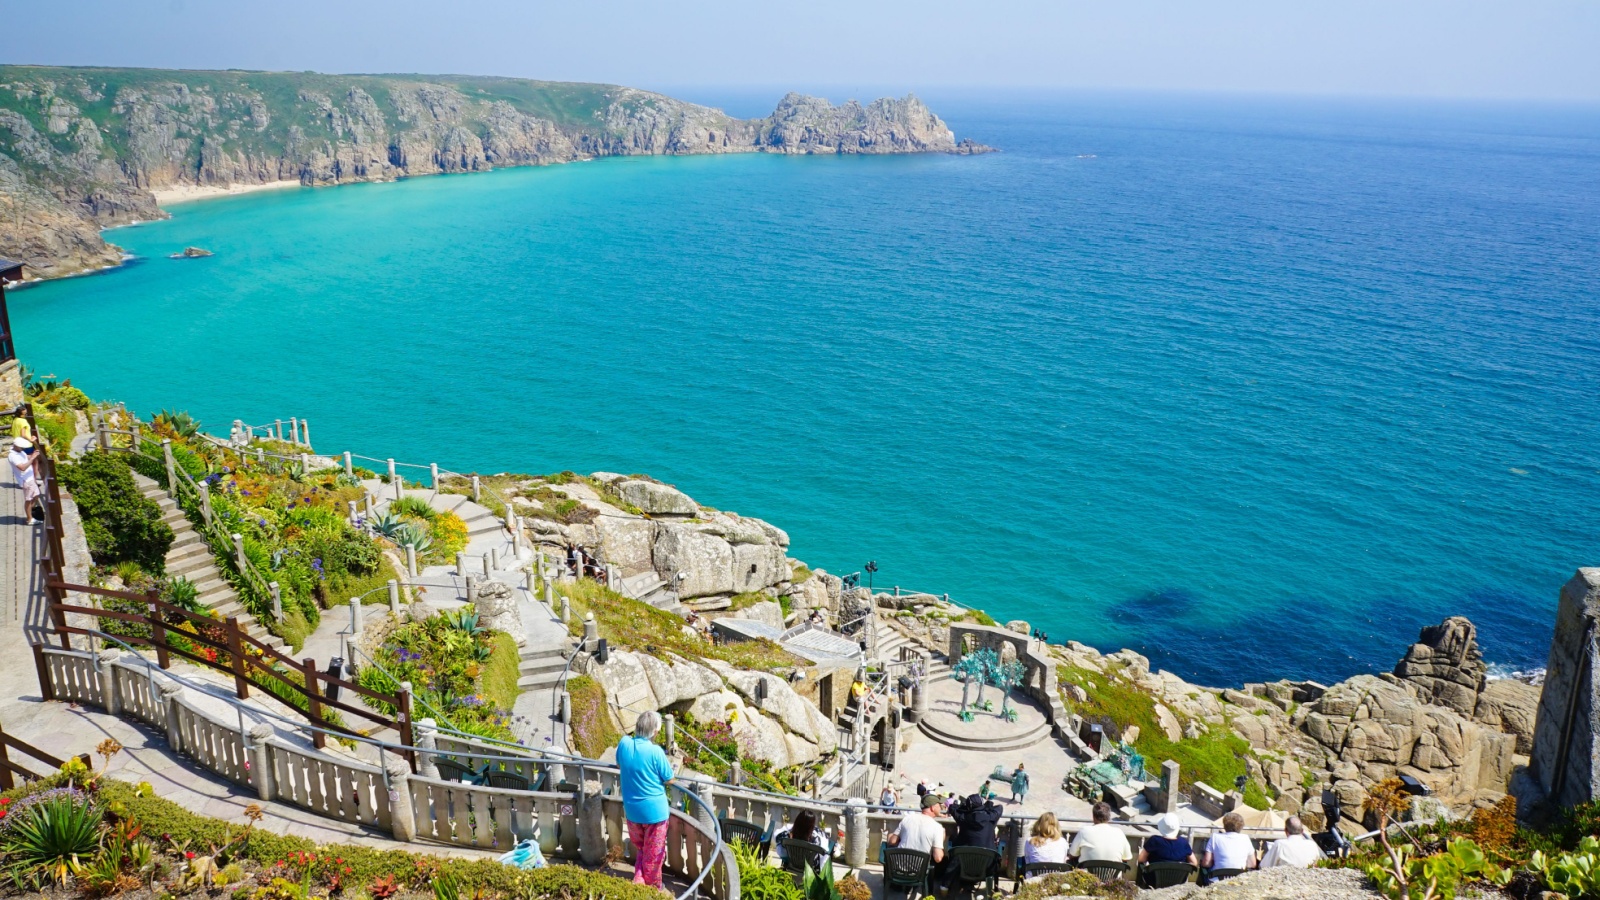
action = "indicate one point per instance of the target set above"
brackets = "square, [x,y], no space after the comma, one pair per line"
[1102,841]
[1228,848]
[1165,845]
[804,828]
[1297,849]
[976,822]
[1045,843]
[921,831]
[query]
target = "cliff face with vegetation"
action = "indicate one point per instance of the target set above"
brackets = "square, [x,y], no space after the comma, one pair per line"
[82,148]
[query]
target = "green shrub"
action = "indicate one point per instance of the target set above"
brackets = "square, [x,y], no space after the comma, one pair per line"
[626,622]
[119,522]
[472,876]
[415,507]
[759,881]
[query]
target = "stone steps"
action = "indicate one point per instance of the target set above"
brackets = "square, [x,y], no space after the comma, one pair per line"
[541,668]
[978,741]
[190,557]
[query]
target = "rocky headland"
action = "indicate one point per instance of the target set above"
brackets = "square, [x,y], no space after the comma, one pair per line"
[82,149]
[1437,716]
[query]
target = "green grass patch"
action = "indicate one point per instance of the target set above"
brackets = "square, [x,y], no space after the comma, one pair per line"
[980,617]
[498,679]
[1217,757]
[800,575]
[592,730]
[637,625]
[747,600]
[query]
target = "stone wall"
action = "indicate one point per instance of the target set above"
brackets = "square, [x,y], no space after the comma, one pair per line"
[10,385]
[1039,669]
[1564,767]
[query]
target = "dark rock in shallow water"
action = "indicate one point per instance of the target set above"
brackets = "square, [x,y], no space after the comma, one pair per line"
[190,253]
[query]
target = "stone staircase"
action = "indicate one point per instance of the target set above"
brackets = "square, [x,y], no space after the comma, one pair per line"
[190,557]
[541,667]
[890,639]
[648,587]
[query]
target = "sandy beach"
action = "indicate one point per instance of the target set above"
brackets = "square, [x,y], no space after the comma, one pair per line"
[182,193]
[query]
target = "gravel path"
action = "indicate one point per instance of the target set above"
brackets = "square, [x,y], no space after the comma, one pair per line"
[1279,883]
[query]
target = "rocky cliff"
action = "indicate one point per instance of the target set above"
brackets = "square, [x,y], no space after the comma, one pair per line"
[81,149]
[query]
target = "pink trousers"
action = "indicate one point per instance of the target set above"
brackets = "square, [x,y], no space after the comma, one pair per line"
[650,842]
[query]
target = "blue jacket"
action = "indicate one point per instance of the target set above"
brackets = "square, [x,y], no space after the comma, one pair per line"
[645,773]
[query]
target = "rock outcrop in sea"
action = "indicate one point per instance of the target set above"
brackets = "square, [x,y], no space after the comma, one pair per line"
[81,149]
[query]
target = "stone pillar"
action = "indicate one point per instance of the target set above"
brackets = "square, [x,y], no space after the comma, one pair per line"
[491,561]
[305,432]
[238,553]
[433,475]
[704,811]
[423,732]
[394,480]
[411,560]
[566,707]
[591,628]
[1169,779]
[205,501]
[261,759]
[592,847]
[1564,767]
[461,563]
[294,430]
[355,618]
[277,429]
[558,770]
[919,688]
[394,594]
[477,490]
[277,600]
[472,589]
[402,816]
[528,583]
[670,726]
[855,832]
[169,703]
[109,688]
[349,467]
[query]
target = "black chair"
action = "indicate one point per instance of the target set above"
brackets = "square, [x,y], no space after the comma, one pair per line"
[905,870]
[972,866]
[797,854]
[1107,870]
[1219,874]
[1035,869]
[1156,875]
[508,780]
[450,770]
[747,833]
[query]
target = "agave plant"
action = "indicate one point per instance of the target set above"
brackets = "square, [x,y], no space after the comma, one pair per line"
[343,480]
[181,423]
[413,535]
[387,523]
[463,620]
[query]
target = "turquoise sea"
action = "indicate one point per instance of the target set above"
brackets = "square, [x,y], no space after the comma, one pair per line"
[1256,386]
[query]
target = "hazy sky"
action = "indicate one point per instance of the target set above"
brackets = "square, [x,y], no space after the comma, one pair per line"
[1459,48]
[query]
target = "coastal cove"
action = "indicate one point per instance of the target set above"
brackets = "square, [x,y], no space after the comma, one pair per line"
[1151,377]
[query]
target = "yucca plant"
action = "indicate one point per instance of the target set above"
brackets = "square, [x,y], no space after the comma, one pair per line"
[464,621]
[413,535]
[51,836]
[182,592]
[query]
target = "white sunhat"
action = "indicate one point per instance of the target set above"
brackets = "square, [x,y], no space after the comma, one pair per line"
[1169,825]
[21,443]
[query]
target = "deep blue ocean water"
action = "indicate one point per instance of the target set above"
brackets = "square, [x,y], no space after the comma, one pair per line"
[1258,387]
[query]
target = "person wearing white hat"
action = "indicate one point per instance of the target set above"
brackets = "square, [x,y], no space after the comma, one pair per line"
[24,459]
[1166,845]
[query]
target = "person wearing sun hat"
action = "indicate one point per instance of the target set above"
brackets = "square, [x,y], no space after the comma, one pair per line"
[24,461]
[1166,845]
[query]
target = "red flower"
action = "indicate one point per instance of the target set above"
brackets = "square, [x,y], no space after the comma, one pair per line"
[188,854]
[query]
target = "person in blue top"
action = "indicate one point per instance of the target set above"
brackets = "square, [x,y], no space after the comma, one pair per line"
[645,772]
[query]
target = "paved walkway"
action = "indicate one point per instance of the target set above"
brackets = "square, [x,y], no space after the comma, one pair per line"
[65,730]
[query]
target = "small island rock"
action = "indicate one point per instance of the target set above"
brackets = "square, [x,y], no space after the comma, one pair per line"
[190,253]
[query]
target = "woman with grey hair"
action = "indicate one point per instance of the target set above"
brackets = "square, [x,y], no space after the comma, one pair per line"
[645,773]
